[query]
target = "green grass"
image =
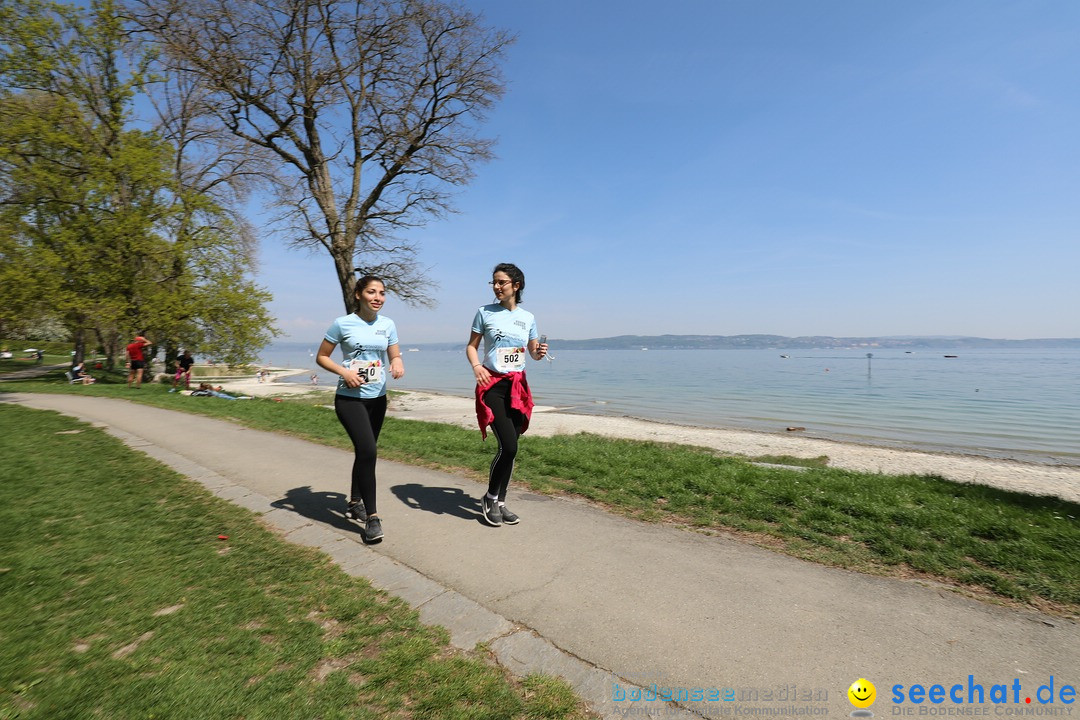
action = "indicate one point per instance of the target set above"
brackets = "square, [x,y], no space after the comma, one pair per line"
[55,353]
[25,363]
[820,461]
[119,600]
[1010,545]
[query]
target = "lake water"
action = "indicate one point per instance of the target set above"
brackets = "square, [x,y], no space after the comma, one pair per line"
[1022,404]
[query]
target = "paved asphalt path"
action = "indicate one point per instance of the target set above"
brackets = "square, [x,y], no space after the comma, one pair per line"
[619,606]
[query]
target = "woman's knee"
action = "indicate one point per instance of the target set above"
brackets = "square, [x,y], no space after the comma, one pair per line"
[365,450]
[508,444]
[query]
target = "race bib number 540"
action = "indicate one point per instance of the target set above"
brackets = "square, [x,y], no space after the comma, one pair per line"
[510,359]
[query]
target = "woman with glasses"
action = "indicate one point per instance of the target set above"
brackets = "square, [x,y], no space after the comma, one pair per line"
[503,399]
[369,343]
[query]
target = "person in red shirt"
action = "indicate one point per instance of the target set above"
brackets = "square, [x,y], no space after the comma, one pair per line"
[136,360]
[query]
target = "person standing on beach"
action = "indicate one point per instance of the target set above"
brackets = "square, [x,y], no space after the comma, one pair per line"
[183,369]
[136,359]
[503,399]
[369,344]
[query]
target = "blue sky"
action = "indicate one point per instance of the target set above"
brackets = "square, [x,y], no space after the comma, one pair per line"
[787,167]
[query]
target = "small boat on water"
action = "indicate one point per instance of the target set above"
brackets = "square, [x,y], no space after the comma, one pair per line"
[783,356]
[952,356]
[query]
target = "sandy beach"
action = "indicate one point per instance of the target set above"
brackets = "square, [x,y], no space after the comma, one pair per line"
[1063,482]
[272,386]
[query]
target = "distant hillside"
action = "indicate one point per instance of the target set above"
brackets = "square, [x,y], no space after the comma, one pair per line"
[716,342]
[780,342]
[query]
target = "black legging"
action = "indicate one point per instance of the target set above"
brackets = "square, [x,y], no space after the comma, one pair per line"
[362,419]
[507,427]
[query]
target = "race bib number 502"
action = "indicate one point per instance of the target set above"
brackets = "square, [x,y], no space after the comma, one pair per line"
[510,359]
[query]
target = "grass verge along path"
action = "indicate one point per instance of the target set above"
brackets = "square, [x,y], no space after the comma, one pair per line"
[118,599]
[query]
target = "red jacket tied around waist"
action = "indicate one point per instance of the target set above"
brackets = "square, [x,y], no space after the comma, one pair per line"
[520,399]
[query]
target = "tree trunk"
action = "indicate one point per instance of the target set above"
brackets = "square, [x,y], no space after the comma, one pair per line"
[80,346]
[343,263]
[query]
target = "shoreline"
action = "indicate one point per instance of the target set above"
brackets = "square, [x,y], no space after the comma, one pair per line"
[1021,457]
[1062,481]
[1034,478]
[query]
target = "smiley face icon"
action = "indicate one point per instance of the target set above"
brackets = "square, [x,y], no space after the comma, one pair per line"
[862,693]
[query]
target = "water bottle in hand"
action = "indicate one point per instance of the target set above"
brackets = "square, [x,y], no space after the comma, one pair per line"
[543,341]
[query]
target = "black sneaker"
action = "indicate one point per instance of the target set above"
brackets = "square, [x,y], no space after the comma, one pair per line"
[492,515]
[508,517]
[355,511]
[373,531]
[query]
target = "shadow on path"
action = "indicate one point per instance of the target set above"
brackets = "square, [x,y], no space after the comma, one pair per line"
[323,507]
[439,500]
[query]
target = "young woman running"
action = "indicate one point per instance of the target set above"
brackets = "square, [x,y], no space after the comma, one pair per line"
[503,399]
[369,344]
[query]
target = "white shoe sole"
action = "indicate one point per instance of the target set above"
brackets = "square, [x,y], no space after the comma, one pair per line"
[483,513]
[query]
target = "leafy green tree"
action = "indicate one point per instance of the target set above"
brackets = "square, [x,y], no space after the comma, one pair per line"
[96,217]
[216,311]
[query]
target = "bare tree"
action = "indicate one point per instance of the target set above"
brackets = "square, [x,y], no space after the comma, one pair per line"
[371,108]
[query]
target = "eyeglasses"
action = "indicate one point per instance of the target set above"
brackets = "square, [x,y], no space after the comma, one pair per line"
[500,283]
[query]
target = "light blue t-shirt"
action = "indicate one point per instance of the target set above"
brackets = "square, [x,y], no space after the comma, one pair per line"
[506,336]
[363,347]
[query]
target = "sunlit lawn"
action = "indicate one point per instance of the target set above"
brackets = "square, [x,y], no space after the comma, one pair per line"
[118,599]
